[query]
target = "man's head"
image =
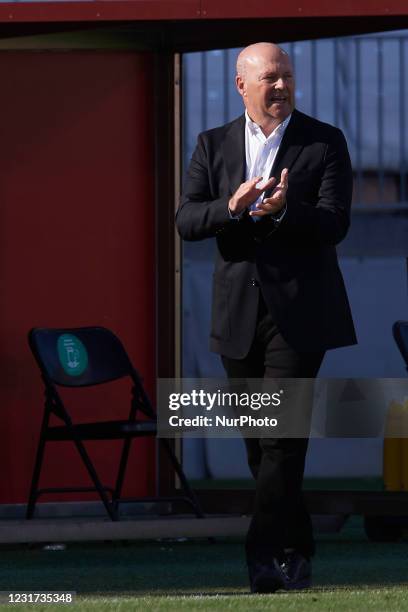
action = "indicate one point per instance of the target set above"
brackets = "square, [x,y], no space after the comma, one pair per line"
[266,83]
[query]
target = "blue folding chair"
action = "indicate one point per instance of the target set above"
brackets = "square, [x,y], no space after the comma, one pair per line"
[83,357]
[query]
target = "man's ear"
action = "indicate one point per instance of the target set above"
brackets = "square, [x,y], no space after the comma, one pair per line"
[240,84]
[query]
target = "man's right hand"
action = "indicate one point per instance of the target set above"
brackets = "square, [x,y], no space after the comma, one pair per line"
[247,193]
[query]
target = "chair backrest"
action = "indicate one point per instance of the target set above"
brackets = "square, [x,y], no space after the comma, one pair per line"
[79,357]
[400,333]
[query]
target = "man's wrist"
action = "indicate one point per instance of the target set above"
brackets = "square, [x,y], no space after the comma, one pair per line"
[277,217]
[232,214]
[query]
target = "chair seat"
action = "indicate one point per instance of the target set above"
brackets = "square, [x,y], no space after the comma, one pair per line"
[104,430]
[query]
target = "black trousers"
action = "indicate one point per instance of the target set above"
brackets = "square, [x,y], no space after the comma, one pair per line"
[280,519]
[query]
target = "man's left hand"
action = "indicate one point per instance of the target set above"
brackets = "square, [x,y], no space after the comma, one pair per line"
[276,201]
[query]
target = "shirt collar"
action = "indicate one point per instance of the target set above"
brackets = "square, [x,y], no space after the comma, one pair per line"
[256,130]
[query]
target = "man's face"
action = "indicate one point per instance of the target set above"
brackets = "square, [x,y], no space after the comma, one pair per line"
[268,87]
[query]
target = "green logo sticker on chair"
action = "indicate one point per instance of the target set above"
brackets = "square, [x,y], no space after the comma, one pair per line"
[72,354]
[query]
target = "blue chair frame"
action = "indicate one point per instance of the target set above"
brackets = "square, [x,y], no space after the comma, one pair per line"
[400,333]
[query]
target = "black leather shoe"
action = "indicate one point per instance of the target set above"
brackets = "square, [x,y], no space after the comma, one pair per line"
[294,573]
[298,571]
[266,578]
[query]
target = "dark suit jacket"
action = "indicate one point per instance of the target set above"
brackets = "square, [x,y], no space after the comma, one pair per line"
[294,263]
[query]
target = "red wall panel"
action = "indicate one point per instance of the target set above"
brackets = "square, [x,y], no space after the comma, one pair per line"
[99,10]
[170,10]
[242,9]
[76,241]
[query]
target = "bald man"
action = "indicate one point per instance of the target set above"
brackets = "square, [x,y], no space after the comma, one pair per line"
[274,188]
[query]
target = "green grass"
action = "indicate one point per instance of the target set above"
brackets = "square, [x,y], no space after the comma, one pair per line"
[350,573]
[375,600]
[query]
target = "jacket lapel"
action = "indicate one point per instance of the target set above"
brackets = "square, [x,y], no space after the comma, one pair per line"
[291,146]
[233,150]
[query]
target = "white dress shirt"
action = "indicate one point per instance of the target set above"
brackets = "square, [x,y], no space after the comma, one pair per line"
[260,151]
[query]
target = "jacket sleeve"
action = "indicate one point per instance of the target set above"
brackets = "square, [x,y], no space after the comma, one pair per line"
[326,220]
[201,213]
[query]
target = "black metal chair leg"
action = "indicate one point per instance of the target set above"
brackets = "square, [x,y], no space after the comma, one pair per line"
[32,499]
[184,482]
[94,476]
[121,472]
